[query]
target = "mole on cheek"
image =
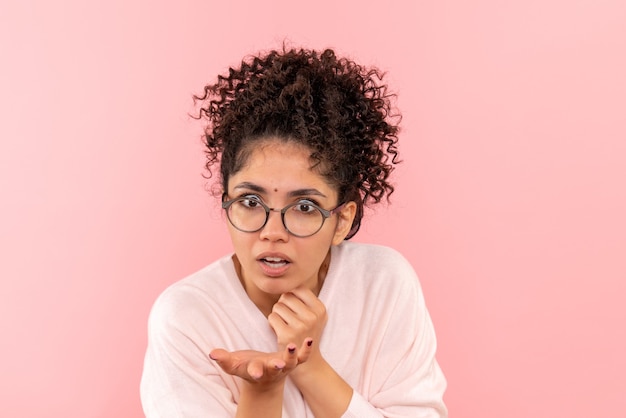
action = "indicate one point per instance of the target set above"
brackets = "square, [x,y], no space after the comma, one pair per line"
[275,190]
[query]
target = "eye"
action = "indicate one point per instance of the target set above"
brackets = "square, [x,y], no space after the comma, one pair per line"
[250,201]
[305,206]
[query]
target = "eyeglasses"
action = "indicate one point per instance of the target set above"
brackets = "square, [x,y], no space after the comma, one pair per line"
[301,219]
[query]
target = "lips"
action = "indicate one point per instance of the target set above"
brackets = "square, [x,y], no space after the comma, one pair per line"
[273,264]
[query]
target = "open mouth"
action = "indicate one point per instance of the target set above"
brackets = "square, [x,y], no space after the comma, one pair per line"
[274,262]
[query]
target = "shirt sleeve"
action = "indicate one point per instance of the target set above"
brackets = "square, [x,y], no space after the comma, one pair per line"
[406,380]
[179,380]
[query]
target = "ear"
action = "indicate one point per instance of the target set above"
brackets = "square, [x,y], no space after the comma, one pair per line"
[344,222]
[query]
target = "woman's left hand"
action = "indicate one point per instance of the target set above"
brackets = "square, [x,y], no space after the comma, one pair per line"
[298,315]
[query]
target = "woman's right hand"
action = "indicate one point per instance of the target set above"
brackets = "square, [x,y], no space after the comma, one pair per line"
[259,367]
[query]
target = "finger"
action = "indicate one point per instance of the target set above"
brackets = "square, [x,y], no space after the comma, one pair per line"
[290,356]
[302,301]
[305,350]
[297,315]
[277,364]
[291,308]
[255,369]
[287,313]
[305,295]
[224,359]
[277,323]
[291,301]
[219,354]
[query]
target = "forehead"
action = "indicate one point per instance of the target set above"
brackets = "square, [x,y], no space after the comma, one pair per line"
[276,163]
[276,149]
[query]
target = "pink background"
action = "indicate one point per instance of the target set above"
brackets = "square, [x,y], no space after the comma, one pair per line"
[510,203]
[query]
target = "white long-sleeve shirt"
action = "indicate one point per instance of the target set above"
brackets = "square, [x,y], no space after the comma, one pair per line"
[379,338]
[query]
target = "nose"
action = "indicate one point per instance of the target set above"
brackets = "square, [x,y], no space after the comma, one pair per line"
[274,230]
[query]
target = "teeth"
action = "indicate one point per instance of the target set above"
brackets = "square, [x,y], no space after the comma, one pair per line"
[275,262]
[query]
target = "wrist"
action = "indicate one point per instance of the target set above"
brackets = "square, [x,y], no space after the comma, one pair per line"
[260,400]
[314,367]
[264,388]
[324,390]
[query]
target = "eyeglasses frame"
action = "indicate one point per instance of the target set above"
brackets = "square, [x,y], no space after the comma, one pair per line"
[226,204]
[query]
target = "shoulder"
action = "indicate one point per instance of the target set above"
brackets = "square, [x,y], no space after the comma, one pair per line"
[358,248]
[374,267]
[196,295]
[371,257]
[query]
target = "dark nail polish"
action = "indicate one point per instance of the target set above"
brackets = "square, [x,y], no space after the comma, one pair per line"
[309,343]
[292,350]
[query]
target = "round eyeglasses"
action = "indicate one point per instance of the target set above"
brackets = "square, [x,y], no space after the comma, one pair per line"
[301,219]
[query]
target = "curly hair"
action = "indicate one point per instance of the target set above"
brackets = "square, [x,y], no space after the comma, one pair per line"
[341,111]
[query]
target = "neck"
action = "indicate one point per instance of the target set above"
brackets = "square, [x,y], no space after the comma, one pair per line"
[266,301]
[321,275]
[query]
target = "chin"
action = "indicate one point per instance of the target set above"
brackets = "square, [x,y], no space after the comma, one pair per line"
[276,286]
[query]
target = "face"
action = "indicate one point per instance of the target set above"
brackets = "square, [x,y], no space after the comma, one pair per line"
[271,260]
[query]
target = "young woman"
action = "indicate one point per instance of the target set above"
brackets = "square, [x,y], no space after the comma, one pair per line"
[298,322]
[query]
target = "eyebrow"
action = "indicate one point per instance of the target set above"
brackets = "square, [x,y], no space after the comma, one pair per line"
[294,193]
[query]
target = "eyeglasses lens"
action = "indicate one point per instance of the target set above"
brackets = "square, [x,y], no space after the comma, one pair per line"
[300,219]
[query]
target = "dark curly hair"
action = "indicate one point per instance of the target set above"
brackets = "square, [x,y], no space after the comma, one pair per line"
[338,109]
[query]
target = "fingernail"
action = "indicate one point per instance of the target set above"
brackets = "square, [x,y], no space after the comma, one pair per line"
[291,350]
[309,343]
[211,357]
